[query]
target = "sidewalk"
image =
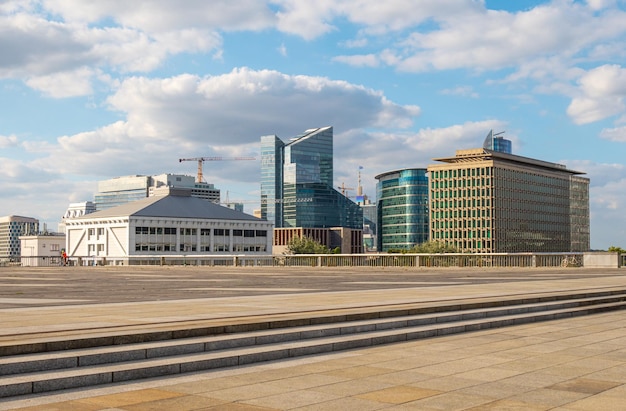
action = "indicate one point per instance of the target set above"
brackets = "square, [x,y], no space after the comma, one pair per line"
[572,364]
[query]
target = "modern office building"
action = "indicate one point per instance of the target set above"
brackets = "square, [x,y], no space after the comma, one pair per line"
[121,190]
[297,184]
[402,207]
[170,223]
[11,228]
[488,201]
[498,143]
[370,226]
[272,153]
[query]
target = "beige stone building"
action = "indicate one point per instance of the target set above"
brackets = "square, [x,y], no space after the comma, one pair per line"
[487,201]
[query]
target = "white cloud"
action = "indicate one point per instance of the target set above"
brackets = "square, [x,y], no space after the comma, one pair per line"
[282,50]
[8,141]
[465,91]
[65,84]
[614,134]
[366,60]
[601,95]
[154,16]
[190,116]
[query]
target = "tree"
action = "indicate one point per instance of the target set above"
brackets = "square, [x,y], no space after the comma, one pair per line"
[614,249]
[433,247]
[306,245]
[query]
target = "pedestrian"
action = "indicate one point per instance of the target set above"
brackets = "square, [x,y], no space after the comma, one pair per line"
[64,256]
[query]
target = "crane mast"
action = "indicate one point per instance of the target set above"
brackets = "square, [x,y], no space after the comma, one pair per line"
[201,160]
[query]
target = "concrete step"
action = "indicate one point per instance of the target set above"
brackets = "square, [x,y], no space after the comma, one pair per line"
[104,336]
[136,351]
[36,373]
[95,375]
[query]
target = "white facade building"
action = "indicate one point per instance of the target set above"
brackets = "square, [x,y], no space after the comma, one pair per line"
[41,250]
[170,223]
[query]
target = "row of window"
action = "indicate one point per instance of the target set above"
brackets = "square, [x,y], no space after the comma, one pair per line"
[194,231]
[464,172]
[187,248]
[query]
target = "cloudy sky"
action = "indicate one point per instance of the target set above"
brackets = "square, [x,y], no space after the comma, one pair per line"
[96,90]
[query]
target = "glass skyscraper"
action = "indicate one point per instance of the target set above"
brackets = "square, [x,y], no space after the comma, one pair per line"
[402,197]
[297,183]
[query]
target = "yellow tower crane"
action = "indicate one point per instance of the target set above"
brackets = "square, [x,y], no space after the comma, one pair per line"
[201,160]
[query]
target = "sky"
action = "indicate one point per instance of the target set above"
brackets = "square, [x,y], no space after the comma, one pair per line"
[96,90]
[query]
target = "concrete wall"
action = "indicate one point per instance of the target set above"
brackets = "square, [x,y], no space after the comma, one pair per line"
[601,260]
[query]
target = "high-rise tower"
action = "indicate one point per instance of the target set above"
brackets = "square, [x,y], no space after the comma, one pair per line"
[297,183]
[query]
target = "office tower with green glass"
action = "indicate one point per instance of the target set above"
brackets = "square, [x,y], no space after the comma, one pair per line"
[402,205]
[297,183]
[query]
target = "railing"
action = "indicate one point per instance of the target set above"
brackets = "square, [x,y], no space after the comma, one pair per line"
[324,260]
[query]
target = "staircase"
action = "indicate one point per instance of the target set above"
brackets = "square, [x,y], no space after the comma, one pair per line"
[52,363]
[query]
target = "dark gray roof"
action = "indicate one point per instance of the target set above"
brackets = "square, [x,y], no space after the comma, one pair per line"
[172,206]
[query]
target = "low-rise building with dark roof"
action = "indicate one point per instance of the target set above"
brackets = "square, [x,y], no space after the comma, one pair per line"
[171,223]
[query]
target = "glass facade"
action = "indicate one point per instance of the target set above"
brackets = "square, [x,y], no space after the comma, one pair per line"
[579,211]
[272,179]
[497,143]
[297,183]
[485,202]
[402,204]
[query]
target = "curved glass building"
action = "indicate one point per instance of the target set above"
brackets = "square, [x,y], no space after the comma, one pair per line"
[402,199]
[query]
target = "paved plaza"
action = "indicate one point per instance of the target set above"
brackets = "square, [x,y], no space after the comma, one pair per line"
[571,364]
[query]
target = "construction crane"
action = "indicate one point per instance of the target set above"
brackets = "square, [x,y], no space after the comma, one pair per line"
[201,160]
[344,189]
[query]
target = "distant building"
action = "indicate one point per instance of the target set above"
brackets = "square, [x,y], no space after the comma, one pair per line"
[121,190]
[498,143]
[169,223]
[347,240]
[402,207]
[201,190]
[488,201]
[297,183]
[11,228]
[370,226]
[41,250]
[76,210]
[297,186]
[79,209]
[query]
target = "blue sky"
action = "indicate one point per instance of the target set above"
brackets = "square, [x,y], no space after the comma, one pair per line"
[95,90]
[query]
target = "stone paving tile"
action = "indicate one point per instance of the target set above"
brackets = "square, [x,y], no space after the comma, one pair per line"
[616,374]
[344,404]
[447,383]
[488,374]
[244,392]
[293,399]
[185,403]
[400,377]
[585,386]
[536,379]
[351,387]
[548,397]
[510,405]
[399,394]
[450,402]
[495,389]
[357,372]
[129,398]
